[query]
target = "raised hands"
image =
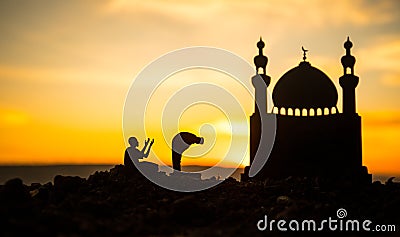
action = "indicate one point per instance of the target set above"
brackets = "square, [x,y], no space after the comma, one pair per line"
[146,142]
[147,145]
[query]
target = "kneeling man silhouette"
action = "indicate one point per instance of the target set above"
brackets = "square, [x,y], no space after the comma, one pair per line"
[180,143]
[132,154]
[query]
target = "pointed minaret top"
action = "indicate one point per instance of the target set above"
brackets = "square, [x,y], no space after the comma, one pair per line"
[260,45]
[348,44]
[260,61]
[348,60]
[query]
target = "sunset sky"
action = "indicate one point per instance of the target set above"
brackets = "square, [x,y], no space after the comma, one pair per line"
[66,67]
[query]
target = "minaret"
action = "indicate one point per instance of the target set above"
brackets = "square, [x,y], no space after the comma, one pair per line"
[260,83]
[348,81]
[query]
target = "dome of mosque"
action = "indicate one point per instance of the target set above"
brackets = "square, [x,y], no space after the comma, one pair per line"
[305,87]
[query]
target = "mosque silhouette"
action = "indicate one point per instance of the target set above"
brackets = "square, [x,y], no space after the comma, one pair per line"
[313,138]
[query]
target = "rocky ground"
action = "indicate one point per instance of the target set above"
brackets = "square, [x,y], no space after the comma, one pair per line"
[122,203]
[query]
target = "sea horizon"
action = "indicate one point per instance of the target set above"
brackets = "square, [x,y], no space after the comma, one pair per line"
[46,173]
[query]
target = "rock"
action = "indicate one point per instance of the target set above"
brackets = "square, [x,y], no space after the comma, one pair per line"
[14,192]
[390,182]
[42,194]
[64,185]
[68,183]
[283,200]
[35,186]
[190,210]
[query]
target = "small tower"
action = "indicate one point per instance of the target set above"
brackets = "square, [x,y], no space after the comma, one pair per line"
[260,83]
[348,81]
[260,60]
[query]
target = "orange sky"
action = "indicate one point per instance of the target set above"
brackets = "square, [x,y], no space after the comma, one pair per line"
[65,67]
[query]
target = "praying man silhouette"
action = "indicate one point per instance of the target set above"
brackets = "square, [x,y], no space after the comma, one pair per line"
[132,154]
[180,143]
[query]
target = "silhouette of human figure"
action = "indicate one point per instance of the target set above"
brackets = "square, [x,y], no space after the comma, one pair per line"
[132,154]
[180,143]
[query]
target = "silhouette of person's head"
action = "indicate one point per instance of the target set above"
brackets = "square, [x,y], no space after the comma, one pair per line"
[133,142]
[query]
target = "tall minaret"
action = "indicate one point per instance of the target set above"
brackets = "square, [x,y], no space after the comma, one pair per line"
[348,81]
[260,83]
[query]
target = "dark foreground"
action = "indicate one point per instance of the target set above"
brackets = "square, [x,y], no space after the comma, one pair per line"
[122,203]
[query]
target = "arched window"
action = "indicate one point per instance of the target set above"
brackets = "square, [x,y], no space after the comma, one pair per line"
[297,112]
[319,111]
[275,110]
[283,111]
[311,112]
[304,112]
[290,112]
[326,111]
[333,110]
